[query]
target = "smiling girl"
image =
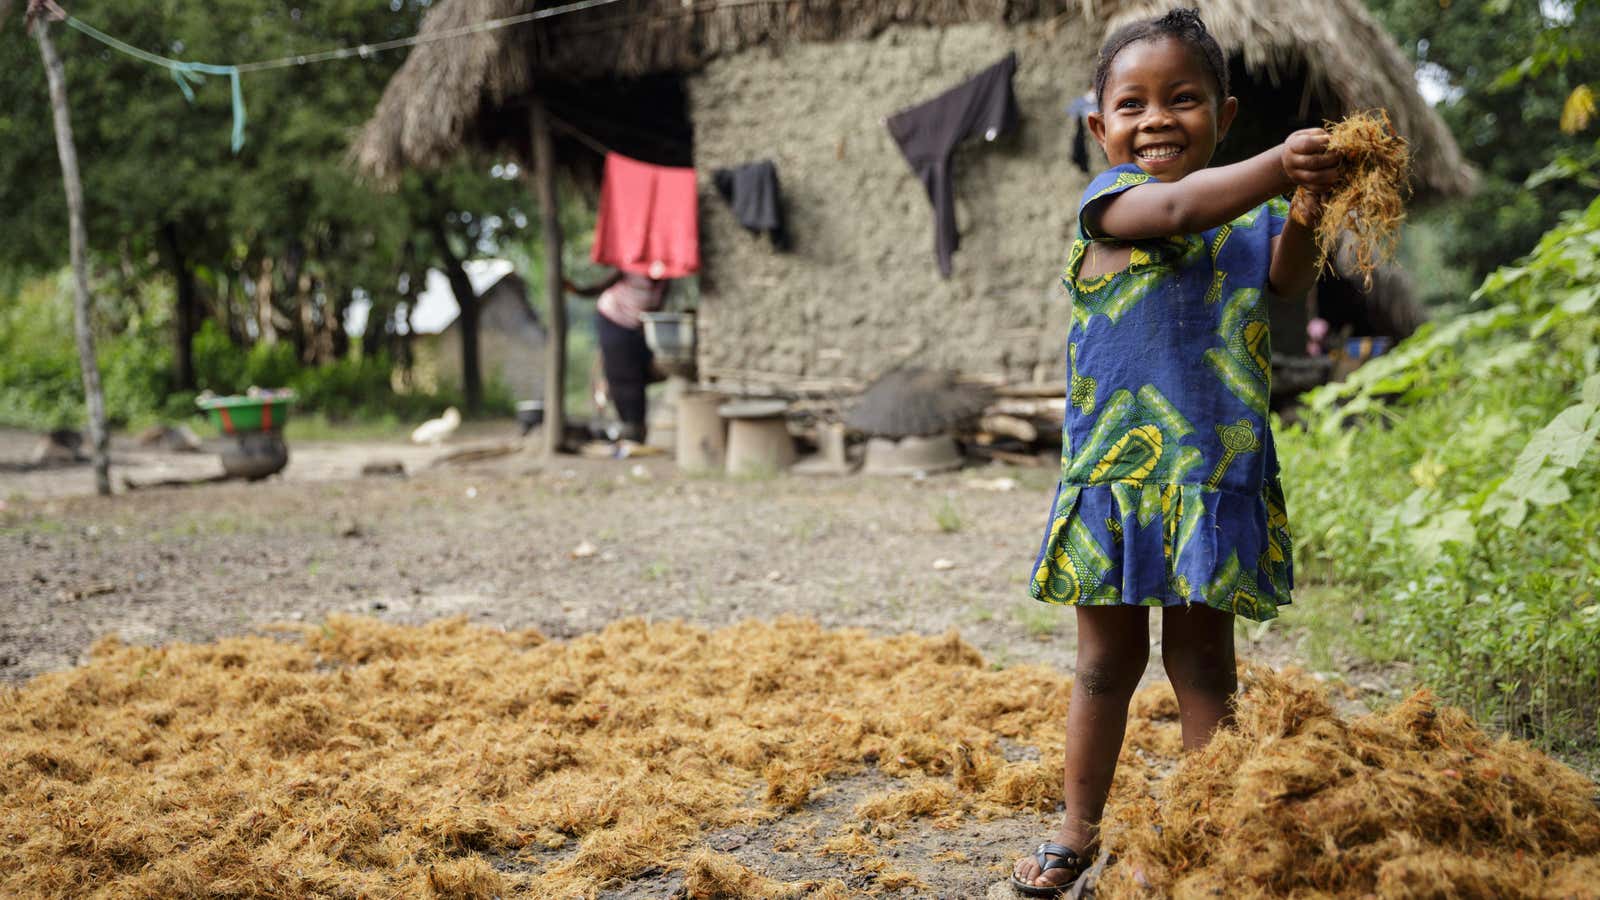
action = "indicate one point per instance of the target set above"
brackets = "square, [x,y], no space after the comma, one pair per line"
[1169,493]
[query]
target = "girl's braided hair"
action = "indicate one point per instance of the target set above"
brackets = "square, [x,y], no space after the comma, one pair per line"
[1183,24]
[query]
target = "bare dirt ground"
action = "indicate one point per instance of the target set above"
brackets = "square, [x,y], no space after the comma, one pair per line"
[564,546]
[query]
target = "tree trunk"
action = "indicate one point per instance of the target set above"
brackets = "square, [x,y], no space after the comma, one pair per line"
[266,329]
[295,286]
[404,346]
[79,241]
[312,343]
[337,342]
[185,318]
[467,300]
[377,329]
[555,379]
[228,310]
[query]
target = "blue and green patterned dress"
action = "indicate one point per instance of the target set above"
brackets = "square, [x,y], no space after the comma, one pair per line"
[1169,490]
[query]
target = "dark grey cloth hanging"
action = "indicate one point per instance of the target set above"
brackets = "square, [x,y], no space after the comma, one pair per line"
[752,192]
[1080,147]
[928,135]
[1079,109]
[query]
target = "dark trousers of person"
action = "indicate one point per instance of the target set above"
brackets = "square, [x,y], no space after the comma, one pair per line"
[626,359]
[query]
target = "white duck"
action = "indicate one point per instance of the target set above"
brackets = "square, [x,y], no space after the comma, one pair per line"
[435,431]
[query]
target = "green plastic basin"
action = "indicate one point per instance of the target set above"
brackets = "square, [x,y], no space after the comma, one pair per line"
[242,415]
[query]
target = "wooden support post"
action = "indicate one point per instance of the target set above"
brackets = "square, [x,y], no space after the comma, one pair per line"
[79,242]
[555,380]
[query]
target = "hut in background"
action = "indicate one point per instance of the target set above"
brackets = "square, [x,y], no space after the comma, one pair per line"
[808,84]
[511,344]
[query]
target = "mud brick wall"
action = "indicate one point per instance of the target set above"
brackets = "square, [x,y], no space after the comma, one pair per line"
[860,291]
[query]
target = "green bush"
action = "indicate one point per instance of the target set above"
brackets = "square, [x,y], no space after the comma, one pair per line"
[219,364]
[353,388]
[135,373]
[1452,484]
[41,387]
[271,365]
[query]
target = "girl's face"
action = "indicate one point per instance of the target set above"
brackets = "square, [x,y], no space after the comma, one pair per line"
[1161,109]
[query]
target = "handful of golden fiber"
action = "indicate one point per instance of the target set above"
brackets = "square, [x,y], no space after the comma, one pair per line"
[1369,200]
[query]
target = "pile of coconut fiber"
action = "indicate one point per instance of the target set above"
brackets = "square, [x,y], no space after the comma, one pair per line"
[372,760]
[1414,802]
[368,759]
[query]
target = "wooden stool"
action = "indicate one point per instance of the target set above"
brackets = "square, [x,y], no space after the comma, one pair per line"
[663,417]
[758,436]
[702,436]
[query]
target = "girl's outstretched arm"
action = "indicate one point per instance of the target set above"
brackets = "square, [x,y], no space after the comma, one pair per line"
[1212,197]
[1294,252]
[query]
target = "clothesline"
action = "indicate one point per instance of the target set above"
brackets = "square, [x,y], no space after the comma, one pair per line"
[361,50]
[186,72]
[580,137]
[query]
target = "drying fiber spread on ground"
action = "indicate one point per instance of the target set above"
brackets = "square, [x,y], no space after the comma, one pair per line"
[367,759]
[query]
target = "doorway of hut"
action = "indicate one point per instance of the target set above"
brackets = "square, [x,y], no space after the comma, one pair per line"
[1279,98]
[644,118]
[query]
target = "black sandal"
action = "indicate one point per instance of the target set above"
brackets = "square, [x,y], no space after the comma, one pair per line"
[1065,858]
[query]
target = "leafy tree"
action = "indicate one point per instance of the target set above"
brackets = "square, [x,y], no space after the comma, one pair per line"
[274,242]
[1508,128]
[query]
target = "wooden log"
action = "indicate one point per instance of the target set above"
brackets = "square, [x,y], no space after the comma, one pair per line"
[1032,389]
[476,454]
[1053,410]
[133,485]
[1009,426]
[1027,460]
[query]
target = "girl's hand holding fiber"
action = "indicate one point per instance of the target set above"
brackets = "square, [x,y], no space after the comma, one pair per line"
[1307,161]
[1306,207]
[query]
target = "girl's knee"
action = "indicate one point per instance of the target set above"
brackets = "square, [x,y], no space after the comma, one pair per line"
[1113,649]
[1111,676]
[1209,672]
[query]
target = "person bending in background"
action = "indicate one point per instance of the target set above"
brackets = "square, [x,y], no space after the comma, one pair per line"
[625,358]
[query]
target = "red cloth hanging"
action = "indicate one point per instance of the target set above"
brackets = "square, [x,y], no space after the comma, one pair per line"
[649,219]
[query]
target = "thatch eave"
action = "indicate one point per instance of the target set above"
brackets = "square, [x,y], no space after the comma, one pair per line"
[431,107]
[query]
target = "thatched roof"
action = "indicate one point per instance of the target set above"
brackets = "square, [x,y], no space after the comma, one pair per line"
[432,105]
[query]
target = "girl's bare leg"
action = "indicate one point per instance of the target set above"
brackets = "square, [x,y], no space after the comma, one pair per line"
[1197,650]
[1113,647]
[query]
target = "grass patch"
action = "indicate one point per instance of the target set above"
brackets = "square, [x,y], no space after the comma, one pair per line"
[1039,620]
[1326,618]
[758,470]
[308,426]
[813,525]
[1037,481]
[946,516]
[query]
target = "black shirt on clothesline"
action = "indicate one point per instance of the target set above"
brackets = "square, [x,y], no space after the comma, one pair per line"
[928,135]
[752,192]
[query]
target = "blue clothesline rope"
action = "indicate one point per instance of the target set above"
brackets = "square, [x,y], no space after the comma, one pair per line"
[184,73]
[187,74]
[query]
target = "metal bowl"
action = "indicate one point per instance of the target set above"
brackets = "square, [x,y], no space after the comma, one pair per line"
[670,336]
